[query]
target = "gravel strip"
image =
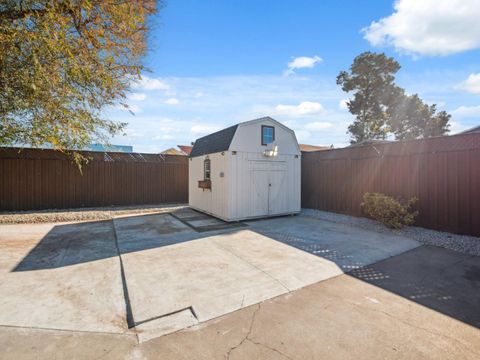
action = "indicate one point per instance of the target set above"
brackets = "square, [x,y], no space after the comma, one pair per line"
[83,214]
[465,244]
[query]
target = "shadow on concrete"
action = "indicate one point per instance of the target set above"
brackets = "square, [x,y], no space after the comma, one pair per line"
[440,279]
[76,243]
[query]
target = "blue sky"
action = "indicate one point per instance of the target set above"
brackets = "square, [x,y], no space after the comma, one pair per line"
[217,63]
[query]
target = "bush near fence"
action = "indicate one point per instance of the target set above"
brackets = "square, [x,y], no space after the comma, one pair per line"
[442,172]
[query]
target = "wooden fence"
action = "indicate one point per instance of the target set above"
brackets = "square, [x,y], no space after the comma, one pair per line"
[443,173]
[45,179]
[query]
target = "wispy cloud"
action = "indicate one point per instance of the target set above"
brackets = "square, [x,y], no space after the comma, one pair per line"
[304,108]
[172,101]
[471,84]
[137,97]
[467,112]
[147,83]
[302,62]
[343,104]
[204,129]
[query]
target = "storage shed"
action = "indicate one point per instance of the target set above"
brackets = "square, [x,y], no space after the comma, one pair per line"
[246,171]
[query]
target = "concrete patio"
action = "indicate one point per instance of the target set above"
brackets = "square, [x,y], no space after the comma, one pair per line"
[123,285]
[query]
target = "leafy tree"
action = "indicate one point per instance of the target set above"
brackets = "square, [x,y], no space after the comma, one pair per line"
[381,107]
[62,62]
[410,118]
[371,78]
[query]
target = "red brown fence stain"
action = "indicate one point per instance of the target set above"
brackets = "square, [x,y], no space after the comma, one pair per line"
[34,179]
[442,172]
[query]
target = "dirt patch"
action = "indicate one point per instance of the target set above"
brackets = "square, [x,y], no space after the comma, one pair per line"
[86,214]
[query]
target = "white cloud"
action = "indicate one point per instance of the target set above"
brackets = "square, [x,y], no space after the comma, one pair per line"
[471,85]
[302,62]
[137,96]
[302,135]
[318,126]
[204,129]
[429,27]
[466,111]
[172,101]
[147,83]
[456,127]
[304,108]
[164,137]
[342,105]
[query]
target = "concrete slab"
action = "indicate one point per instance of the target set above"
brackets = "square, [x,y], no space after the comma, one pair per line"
[440,279]
[217,273]
[61,276]
[340,318]
[196,273]
[205,222]
[188,213]
[347,246]
[154,328]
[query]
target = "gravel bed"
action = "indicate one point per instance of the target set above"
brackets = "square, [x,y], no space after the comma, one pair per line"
[82,214]
[465,244]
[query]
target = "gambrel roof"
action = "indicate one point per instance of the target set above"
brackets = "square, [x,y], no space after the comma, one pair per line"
[213,143]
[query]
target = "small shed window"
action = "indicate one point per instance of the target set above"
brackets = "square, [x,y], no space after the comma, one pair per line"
[206,169]
[268,134]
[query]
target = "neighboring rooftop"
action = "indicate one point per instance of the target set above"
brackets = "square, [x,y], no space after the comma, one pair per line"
[187,149]
[213,143]
[172,151]
[309,148]
[475,129]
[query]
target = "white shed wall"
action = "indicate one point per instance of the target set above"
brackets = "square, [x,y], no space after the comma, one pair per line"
[248,138]
[253,185]
[248,191]
[214,201]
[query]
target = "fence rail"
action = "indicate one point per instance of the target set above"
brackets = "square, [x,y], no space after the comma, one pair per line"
[45,179]
[443,173]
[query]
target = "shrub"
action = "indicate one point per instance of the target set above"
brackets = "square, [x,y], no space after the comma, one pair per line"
[391,212]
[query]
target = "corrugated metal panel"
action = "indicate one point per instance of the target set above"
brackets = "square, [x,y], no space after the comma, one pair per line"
[443,173]
[34,179]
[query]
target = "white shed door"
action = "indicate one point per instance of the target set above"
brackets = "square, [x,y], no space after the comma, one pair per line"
[270,187]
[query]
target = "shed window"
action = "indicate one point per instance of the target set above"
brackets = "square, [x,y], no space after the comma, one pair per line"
[268,134]
[206,169]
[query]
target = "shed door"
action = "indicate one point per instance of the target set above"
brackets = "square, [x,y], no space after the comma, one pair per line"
[270,187]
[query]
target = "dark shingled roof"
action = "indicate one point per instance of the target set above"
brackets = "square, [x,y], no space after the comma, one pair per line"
[213,143]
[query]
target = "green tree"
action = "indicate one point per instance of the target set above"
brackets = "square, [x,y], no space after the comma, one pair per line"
[62,62]
[381,107]
[371,79]
[410,118]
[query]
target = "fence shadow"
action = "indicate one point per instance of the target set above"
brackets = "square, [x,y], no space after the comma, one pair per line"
[440,279]
[77,243]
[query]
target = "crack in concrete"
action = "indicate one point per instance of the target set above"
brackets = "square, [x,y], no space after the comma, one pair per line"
[229,352]
[270,348]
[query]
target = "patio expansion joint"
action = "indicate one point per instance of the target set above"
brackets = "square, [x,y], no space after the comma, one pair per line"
[128,305]
[253,265]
